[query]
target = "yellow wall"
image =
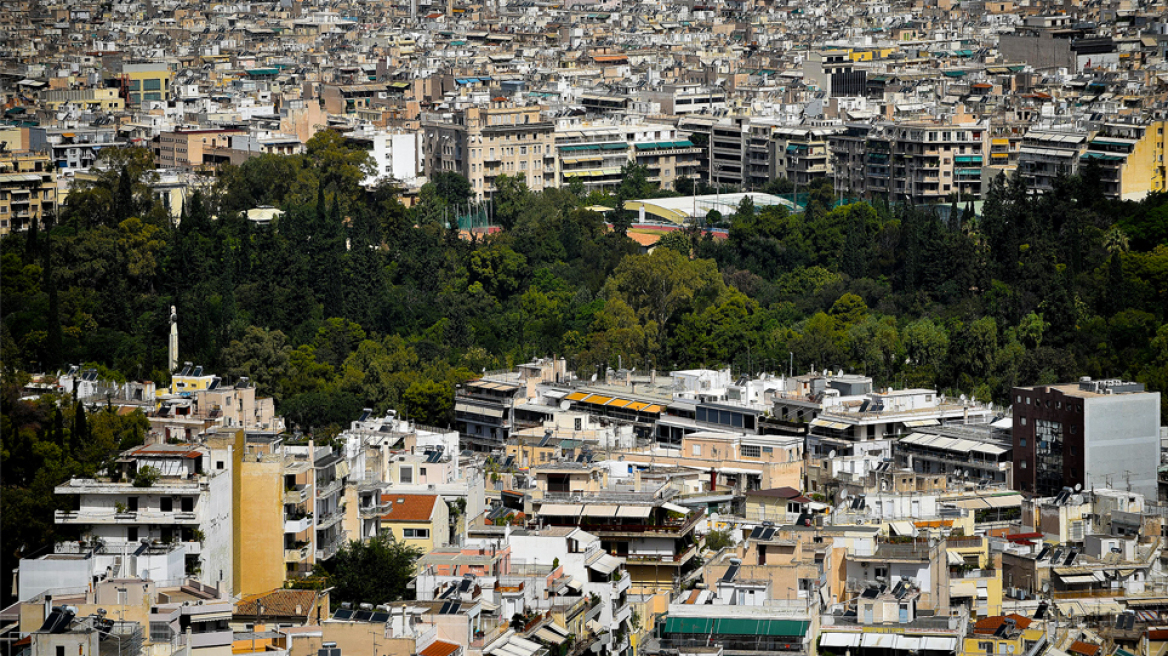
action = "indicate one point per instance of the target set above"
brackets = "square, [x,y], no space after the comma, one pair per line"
[258,523]
[398,528]
[1143,171]
[974,645]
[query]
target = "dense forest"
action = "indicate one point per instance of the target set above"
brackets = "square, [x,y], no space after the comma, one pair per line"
[351,299]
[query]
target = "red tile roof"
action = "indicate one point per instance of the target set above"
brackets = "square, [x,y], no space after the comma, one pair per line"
[440,648]
[409,507]
[278,603]
[1084,648]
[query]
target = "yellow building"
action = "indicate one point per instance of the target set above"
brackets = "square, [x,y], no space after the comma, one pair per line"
[258,524]
[1131,159]
[106,100]
[190,379]
[419,520]
[144,82]
[1008,634]
[28,190]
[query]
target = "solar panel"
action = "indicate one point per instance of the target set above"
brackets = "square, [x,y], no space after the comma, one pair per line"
[768,534]
[365,414]
[198,371]
[1002,630]
[343,614]
[730,573]
[186,370]
[454,608]
[1119,621]
[870,593]
[379,618]
[864,405]
[1040,612]
[1058,556]
[756,533]
[214,384]
[1129,621]
[464,585]
[1044,552]
[362,616]
[445,607]
[546,437]
[1070,558]
[449,592]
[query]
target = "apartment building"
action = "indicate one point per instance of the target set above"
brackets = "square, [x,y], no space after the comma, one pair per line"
[654,536]
[596,154]
[802,154]
[85,100]
[1047,154]
[194,149]
[160,494]
[28,190]
[930,161]
[1131,159]
[484,411]
[142,82]
[483,142]
[1091,434]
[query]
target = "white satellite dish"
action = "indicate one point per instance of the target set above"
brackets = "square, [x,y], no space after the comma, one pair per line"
[564,405]
[832,454]
[1078,486]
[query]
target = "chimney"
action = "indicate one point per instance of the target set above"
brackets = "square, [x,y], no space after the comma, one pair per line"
[636,480]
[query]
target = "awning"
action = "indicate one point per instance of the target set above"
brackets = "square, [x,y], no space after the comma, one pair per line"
[575,584]
[606,564]
[954,557]
[550,636]
[908,643]
[917,423]
[823,423]
[599,511]
[879,640]
[560,509]
[342,468]
[902,528]
[839,640]
[939,644]
[211,617]
[717,626]
[634,511]
[671,507]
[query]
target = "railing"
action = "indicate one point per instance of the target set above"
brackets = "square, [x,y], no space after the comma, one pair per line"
[296,555]
[330,519]
[374,511]
[129,517]
[329,488]
[681,557]
[483,638]
[1090,594]
[296,496]
[931,623]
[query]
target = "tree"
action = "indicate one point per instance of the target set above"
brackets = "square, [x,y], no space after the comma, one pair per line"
[718,540]
[373,572]
[260,354]
[429,402]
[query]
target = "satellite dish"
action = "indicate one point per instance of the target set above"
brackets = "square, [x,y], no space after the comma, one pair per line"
[843,494]
[832,454]
[1078,486]
[1045,587]
[564,405]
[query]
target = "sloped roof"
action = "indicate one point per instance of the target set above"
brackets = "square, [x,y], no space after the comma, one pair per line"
[278,603]
[409,507]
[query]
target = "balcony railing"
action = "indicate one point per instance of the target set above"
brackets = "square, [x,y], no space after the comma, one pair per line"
[297,524]
[126,517]
[296,555]
[296,496]
[329,488]
[330,519]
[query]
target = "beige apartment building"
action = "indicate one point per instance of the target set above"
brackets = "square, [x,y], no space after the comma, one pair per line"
[482,143]
[28,190]
[193,149]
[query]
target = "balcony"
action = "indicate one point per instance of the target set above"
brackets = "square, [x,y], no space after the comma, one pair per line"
[662,559]
[298,524]
[329,549]
[329,489]
[374,511]
[87,517]
[324,521]
[296,496]
[297,555]
[623,584]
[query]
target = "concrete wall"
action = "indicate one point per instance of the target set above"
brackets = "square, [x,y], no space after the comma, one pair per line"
[37,576]
[216,561]
[1122,442]
[258,523]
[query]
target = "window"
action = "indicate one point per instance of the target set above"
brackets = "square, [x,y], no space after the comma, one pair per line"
[160,632]
[421,471]
[1022,442]
[405,475]
[421,533]
[1023,420]
[696,449]
[751,451]
[579,423]
[132,504]
[188,504]
[132,534]
[166,504]
[60,650]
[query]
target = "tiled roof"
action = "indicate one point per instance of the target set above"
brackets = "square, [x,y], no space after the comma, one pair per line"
[278,603]
[409,507]
[1085,648]
[439,648]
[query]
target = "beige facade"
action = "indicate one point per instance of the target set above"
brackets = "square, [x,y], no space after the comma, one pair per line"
[28,190]
[192,149]
[483,143]
[258,520]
